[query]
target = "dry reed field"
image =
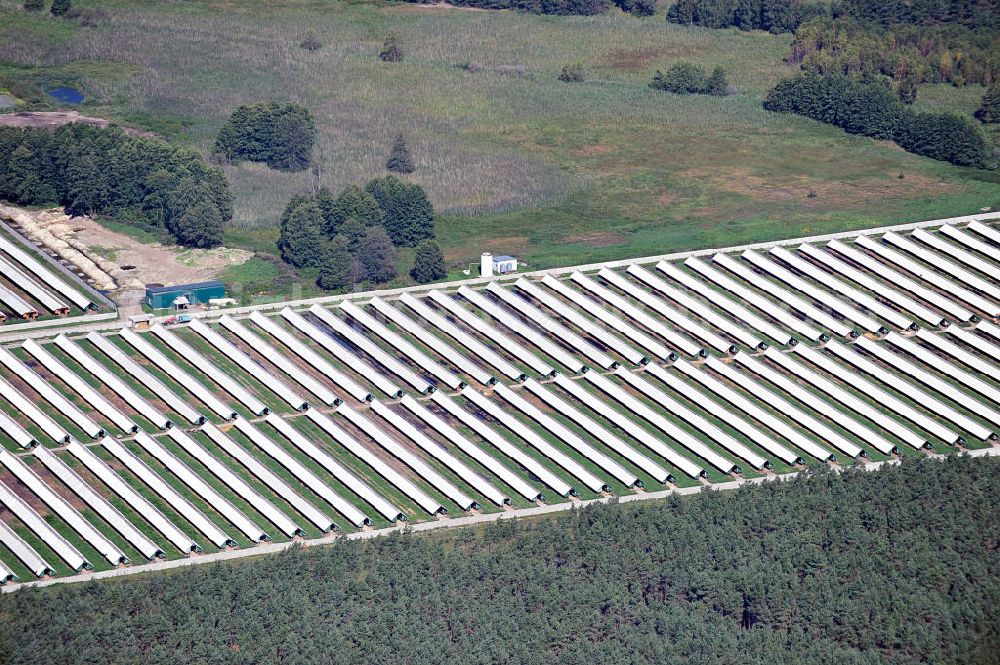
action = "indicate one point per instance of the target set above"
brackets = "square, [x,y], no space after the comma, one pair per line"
[515,160]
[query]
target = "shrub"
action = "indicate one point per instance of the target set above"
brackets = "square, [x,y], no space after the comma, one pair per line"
[280,135]
[399,157]
[637,7]
[60,7]
[391,50]
[311,42]
[685,78]
[571,73]
[34,5]
[428,263]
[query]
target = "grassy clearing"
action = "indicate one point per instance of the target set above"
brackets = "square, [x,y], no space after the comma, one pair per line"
[555,173]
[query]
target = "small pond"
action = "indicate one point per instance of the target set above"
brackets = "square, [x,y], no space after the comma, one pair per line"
[66,95]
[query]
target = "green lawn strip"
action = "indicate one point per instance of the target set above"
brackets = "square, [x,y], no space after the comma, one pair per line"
[134,384]
[47,408]
[172,383]
[241,504]
[176,518]
[472,463]
[360,470]
[263,392]
[309,529]
[201,504]
[95,520]
[108,394]
[169,549]
[15,565]
[449,504]
[47,553]
[193,372]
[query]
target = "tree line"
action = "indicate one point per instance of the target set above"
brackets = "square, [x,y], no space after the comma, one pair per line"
[140,181]
[352,237]
[560,7]
[279,134]
[890,567]
[869,107]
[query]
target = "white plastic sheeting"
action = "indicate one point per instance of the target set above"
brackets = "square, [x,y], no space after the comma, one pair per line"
[796,303]
[563,433]
[6,574]
[341,352]
[598,432]
[760,415]
[80,387]
[370,496]
[309,356]
[489,331]
[13,429]
[279,360]
[686,439]
[622,422]
[250,366]
[582,323]
[734,330]
[883,398]
[45,275]
[977,342]
[955,351]
[974,244]
[748,295]
[48,535]
[293,466]
[429,475]
[834,283]
[68,477]
[956,253]
[209,369]
[24,552]
[721,301]
[667,311]
[32,288]
[184,508]
[140,374]
[931,276]
[530,464]
[822,407]
[28,408]
[696,421]
[608,318]
[113,382]
[268,478]
[634,314]
[16,304]
[985,231]
[525,331]
[193,481]
[907,387]
[945,367]
[819,295]
[444,350]
[181,377]
[236,484]
[136,501]
[396,341]
[344,476]
[553,328]
[782,405]
[50,394]
[534,440]
[439,453]
[62,508]
[892,295]
[736,422]
[488,462]
[478,349]
[935,383]
[380,356]
[855,405]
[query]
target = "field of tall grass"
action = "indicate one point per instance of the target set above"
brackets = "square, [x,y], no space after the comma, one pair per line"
[515,161]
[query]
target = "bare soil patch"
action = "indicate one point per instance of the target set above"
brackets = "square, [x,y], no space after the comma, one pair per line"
[597,238]
[638,58]
[53,119]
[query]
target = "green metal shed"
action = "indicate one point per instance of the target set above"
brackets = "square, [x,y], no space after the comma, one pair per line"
[162,297]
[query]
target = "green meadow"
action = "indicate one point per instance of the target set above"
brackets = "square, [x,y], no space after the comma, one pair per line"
[514,160]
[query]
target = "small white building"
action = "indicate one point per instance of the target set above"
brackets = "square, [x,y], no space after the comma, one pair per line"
[490,265]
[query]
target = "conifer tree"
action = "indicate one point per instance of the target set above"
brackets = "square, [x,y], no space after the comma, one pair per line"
[376,256]
[428,263]
[399,157]
[354,202]
[337,269]
[300,242]
[989,110]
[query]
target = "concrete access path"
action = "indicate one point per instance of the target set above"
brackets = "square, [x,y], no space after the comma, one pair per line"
[443,523]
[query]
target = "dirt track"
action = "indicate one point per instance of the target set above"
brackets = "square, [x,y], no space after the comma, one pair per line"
[53,119]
